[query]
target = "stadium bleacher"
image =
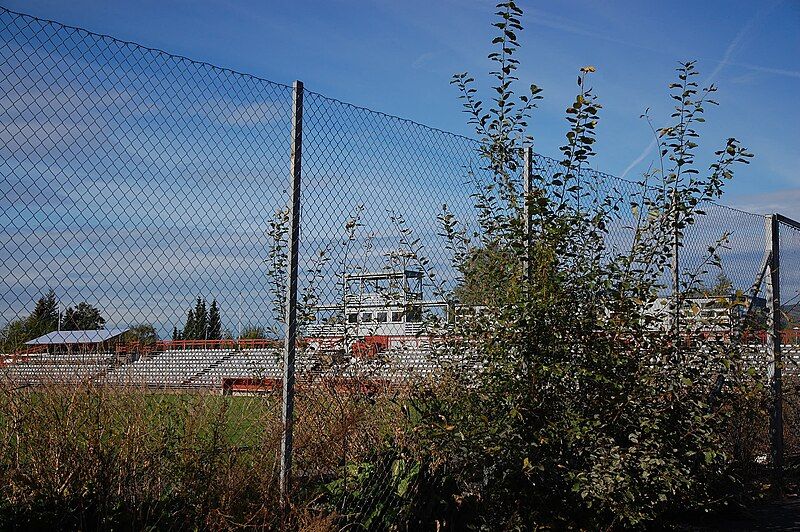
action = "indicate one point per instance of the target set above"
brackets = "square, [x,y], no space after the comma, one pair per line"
[46,368]
[201,368]
[206,368]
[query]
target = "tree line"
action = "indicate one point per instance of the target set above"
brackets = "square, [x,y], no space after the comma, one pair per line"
[47,317]
[203,322]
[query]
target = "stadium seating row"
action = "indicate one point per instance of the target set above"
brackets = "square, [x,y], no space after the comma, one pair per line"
[208,368]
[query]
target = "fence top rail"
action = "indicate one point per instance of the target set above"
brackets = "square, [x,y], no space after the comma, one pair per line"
[787,221]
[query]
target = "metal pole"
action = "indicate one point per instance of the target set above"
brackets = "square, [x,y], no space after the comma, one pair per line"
[676,276]
[527,176]
[291,287]
[775,364]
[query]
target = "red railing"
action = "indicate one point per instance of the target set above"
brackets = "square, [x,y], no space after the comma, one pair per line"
[254,343]
[370,346]
[792,336]
[788,337]
[32,350]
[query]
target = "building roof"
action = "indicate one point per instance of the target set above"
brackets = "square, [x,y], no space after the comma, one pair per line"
[76,337]
[409,274]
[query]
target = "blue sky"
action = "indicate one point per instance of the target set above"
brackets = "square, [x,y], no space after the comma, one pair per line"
[397,57]
[139,182]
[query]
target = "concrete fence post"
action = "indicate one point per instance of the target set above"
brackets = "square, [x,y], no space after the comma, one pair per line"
[775,361]
[290,337]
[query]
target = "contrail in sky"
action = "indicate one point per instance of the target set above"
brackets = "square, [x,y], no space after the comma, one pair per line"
[732,48]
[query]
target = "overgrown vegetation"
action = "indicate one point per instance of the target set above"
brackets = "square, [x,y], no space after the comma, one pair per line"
[114,458]
[581,404]
[570,397]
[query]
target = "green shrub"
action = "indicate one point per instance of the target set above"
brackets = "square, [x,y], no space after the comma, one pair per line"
[580,404]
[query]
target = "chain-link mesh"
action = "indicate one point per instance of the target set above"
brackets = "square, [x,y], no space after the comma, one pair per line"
[136,191]
[789,269]
[143,254]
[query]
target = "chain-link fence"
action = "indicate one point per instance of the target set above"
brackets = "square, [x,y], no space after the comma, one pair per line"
[788,265]
[145,253]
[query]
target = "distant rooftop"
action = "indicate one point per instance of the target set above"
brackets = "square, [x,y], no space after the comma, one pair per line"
[76,337]
[409,274]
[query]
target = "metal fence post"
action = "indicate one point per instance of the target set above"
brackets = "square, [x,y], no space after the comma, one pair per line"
[676,273]
[527,179]
[291,296]
[775,364]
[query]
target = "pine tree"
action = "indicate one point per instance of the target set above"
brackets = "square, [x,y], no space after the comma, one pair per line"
[190,327]
[200,319]
[176,335]
[44,318]
[214,322]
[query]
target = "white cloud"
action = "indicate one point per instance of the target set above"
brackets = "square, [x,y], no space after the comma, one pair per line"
[786,202]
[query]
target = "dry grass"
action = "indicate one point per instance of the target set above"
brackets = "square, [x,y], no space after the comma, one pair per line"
[96,457]
[93,457]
